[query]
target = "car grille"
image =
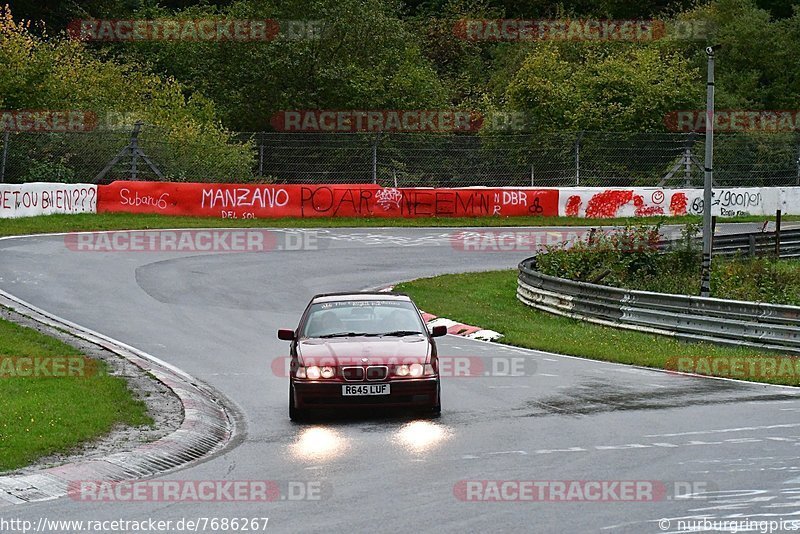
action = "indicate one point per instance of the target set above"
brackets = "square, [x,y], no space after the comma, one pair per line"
[353,373]
[377,372]
[372,373]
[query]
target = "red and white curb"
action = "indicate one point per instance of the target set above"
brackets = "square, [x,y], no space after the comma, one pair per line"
[208,427]
[460,329]
[454,327]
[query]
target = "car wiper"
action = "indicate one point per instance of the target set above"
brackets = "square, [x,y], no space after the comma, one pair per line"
[402,333]
[342,334]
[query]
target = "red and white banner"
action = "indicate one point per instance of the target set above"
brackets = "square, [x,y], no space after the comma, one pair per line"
[40,198]
[234,201]
[602,202]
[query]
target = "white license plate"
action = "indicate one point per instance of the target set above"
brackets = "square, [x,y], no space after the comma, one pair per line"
[349,390]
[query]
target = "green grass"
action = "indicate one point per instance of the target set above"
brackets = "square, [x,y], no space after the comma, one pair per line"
[46,415]
[488,300]
[129,221]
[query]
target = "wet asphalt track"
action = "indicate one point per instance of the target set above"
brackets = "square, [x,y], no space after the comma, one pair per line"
[215,316]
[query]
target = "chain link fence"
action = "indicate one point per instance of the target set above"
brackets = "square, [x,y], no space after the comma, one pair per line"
[405,159]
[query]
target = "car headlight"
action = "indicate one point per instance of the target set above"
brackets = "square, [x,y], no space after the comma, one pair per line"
[402,370]
[327,372]
[300,373]
[313,372]
[416,369]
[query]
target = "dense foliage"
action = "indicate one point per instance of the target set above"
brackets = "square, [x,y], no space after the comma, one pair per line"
[384,55]
[629,257]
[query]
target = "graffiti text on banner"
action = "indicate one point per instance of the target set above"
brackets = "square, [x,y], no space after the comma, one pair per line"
[600,202]
[233,201]
[25,200]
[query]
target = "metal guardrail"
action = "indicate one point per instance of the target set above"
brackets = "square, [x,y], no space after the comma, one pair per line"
[759,244]
[768,326]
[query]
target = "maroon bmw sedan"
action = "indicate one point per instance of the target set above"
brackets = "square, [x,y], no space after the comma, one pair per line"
[362,350]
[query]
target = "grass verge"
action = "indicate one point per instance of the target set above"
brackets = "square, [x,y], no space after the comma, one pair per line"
[129,221]
[48,415]
[488,300]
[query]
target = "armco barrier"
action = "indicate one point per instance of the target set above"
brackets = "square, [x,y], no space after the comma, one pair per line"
[758,244]
[45,198]
[768,326]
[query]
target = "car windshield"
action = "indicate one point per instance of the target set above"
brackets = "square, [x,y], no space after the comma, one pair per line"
[362,318]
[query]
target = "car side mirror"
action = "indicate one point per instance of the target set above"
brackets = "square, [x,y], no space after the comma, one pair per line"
[286,334]
[439,331]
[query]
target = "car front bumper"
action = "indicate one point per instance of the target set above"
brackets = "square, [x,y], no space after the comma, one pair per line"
[420,392]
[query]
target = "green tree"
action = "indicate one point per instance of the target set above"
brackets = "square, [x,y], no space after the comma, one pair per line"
[55,73]
[628,88]
[363,57]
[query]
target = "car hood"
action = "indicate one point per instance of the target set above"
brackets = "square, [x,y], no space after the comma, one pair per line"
[353,351]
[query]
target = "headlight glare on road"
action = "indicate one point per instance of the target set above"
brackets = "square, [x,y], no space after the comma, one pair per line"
[327,372]
[401,370]
[313,372]
[416,369]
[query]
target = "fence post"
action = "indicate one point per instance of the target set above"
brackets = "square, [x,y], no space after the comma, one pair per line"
[4,157]
[261,154]
[778,234]
[578,160]
[375,158]
[135,148]
[531,174]
[797,182]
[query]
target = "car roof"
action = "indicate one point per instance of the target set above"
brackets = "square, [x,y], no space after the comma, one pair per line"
[361,295]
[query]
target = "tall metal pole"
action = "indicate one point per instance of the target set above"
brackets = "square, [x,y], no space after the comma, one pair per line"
[705,278]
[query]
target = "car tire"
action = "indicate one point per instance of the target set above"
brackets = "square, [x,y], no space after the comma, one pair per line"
[436,409]
[295,414]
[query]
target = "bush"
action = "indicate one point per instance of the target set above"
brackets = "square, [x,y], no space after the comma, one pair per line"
[629,257]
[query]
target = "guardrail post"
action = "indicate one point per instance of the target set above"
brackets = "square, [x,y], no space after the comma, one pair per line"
[4,158]
[752,245]
[778,234]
